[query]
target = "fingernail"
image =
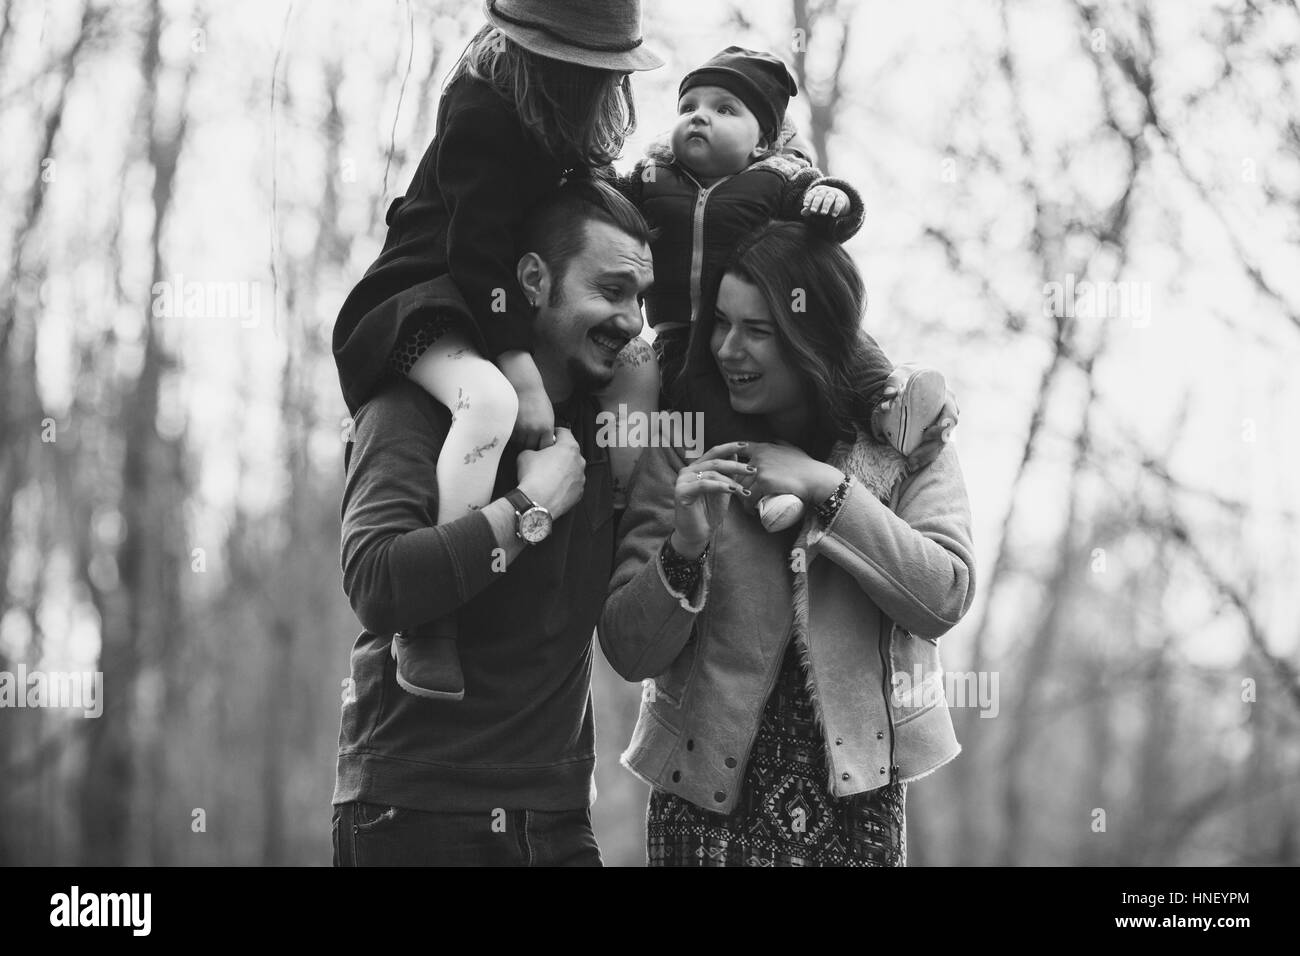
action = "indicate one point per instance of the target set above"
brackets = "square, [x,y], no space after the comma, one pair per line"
[745,492]
[750,468]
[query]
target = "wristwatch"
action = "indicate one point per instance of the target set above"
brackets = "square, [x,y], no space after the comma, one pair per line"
[532,521]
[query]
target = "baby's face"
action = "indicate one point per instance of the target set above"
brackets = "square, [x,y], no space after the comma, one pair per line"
[716,135]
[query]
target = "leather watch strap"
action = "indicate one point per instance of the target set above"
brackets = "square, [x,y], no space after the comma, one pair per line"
[519,501]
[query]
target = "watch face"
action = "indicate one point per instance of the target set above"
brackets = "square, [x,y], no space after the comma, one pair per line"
[534,525]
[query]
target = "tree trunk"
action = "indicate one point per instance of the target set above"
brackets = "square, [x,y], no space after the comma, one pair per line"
[121,784]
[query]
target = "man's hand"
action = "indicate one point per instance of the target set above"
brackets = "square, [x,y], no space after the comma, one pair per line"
[554,477]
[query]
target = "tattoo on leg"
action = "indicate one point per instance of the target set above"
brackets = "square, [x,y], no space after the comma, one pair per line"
[478,452]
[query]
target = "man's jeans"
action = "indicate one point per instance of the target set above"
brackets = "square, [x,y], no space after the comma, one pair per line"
[369,834]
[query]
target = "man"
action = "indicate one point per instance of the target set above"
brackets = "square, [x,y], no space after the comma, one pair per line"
[504,776]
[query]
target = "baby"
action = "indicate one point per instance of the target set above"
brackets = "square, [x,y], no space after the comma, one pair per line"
[732,164]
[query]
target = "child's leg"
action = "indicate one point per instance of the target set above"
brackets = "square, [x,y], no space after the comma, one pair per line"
[483,408]
[636,388]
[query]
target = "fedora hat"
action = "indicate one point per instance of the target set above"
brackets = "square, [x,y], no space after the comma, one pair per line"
[603,34]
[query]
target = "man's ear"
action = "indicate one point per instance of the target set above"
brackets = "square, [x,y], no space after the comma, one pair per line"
[534,278]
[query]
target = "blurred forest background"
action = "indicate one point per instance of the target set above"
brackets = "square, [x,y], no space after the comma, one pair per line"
[170,473]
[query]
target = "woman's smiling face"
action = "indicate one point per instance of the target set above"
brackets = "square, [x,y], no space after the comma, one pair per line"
[760,378]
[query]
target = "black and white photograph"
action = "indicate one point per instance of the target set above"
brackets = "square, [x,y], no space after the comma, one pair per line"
[651,433]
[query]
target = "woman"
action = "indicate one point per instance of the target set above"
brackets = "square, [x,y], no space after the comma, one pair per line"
[793,685]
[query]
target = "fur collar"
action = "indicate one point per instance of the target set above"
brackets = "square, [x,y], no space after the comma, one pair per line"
[879,469]
[660,153]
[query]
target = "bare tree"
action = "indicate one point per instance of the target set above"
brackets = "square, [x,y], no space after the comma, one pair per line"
[26,460]
[825,92]
[138,631]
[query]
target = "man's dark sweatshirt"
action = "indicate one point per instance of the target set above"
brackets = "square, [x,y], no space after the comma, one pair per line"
[522,738]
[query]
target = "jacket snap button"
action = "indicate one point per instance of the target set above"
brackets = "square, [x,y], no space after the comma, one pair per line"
[677,774]
[690,745]
[844,775]
[880,735]
[839,741]
[882,770]
[719,796]
[730,762]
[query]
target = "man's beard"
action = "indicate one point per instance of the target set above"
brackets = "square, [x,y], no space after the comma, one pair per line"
[585,379]
[581,376]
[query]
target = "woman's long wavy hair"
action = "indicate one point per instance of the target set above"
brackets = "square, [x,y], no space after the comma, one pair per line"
[816,298]
[578,113]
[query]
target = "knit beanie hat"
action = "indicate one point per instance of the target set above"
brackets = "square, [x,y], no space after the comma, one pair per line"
[759,80]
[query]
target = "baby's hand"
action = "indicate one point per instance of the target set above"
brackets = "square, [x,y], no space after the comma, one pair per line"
[825,201]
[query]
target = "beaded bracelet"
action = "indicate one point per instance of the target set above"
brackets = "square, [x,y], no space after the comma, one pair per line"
[682,573]
[827,510]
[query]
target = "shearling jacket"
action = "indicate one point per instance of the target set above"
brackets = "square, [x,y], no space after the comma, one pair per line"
[867,599]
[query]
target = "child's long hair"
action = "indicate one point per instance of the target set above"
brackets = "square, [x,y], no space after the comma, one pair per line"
[577,113]
[842,368]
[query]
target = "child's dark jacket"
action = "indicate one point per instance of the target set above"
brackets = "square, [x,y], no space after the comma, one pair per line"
[451,244]
[699,227]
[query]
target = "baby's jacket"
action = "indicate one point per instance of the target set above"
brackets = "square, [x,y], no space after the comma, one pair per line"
[698,227]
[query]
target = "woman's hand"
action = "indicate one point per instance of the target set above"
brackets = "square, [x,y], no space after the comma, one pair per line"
[783,469]
[701,494]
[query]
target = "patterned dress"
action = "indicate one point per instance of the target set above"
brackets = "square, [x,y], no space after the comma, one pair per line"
[785,816]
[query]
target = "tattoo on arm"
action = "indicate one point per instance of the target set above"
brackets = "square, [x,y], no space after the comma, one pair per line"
[636,352]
